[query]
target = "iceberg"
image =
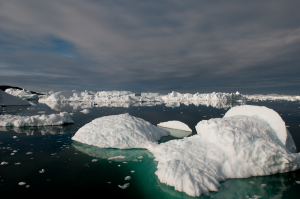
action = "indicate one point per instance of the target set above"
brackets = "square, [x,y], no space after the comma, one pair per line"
[23,94]
[10,100]
[237,146]
[260,97]
[119,131]
[36,120]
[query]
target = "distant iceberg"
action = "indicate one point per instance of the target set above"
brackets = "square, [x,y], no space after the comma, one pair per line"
[25,95]
[259,97]
[10,100]
[37,120]
[119,131]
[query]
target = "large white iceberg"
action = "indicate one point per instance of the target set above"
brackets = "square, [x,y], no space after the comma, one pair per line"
[36,120]
[239,146]
[119,131]
[10,100]
[23,94]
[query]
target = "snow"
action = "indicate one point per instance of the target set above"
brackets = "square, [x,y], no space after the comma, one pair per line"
[36,120]
[119,131]
[271,117]
[23,94]
[239,146]
[175,125]
[10,100]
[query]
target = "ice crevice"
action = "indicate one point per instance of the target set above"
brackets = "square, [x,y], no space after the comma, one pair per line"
[247,141]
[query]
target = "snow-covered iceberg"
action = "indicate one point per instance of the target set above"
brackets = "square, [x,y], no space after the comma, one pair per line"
[239,146]
[10,100]
[23,94]
[36,120]
[119,131]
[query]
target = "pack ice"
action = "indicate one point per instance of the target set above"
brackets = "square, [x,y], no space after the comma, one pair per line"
[10,100]
[37,120]
[248,141]
[119,131]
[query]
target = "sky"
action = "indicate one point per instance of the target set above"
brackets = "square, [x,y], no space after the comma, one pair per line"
[151,46]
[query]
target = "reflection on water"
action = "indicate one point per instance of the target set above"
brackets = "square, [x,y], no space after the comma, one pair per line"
[44,130]
[130,154]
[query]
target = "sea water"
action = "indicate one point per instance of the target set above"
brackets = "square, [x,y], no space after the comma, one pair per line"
[44,161]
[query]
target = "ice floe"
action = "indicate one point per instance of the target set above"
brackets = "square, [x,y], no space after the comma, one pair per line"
[10,100]
[37,120]
[258,97]
[119,131]
[126,185]
[175,125]
[239,146]
[23,94]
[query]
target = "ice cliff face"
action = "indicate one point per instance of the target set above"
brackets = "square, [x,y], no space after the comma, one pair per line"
[10,100]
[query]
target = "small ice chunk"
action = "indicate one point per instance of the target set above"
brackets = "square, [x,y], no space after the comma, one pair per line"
[125,162]
[175,125]
[298,182]
[17,163]
[252,182]
[94,160]
[108,182]
[12,154]
[15,137]
[263,185]
[127,178]
[256,196]
[15,151]
[53,153]
[135,160]
[4,163]
[28,153]
[22,183]
[140,157]
[132,171]
[27,186]
[42,171]
[85,111]
[119,165]
[116,157]
[124,186]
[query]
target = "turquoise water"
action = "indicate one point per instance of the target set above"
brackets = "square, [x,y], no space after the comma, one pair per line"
[76,169]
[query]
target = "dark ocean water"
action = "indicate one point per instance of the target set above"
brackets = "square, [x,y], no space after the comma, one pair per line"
[75,169]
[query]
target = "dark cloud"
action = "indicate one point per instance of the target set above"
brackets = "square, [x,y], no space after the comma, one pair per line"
[153,46]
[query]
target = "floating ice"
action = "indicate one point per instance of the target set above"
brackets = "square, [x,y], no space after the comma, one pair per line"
[257,97]
[119,131]
[263,185]
[127,178]
[85,111]
[4,163]
[42,171]
[14,137]
[239,146]
[23,94]
[10,100]
[132,171]
[94,160]
[140,157]
[37,120]
[175,125]
[271,117]
[22,183]
[124,186]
